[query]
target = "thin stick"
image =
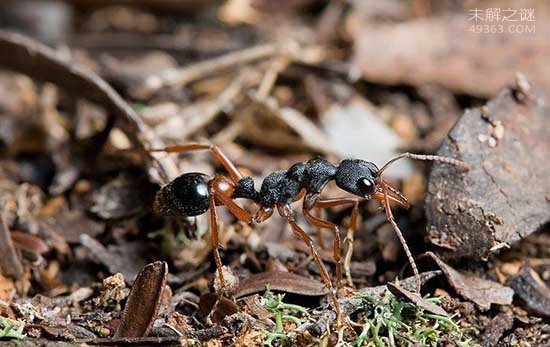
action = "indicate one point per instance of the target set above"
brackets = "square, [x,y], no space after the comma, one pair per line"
[277,65]
[183,76]
[451,161]
[389,217]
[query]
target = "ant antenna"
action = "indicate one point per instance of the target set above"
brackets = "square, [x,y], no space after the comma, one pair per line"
[386,187]
[451,161]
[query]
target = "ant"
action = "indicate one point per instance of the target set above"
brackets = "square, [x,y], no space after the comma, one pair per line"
[192,194]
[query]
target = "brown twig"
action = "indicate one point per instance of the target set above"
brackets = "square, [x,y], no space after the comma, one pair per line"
[181,77]
[27,56]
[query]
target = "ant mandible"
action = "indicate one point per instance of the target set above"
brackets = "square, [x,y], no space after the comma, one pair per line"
[192,194]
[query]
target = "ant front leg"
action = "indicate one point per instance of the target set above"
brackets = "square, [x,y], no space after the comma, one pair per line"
[221,189]
[215,150]
[309,203]
[286,212]
[352,227]
[390,218]
[214,234]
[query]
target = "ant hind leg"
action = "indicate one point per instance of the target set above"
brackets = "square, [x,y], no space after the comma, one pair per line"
[219,155]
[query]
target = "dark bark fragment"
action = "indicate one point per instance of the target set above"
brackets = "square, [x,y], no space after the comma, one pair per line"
[530,288]
[504,197]
[143,302]
[496,328]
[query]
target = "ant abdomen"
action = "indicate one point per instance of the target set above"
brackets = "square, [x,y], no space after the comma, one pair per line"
[187,195]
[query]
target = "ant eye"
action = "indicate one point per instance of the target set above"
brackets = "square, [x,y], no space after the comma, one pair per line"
[366,186]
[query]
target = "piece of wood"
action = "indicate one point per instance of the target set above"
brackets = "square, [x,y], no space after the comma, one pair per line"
[506,194]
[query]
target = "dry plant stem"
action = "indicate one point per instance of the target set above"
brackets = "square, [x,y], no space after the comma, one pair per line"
[10,264]
[210,109]
[389,216]
[183,76]
[277,65]
[264,89]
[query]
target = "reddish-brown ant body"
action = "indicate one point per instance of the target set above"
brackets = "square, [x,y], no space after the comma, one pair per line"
[193,194]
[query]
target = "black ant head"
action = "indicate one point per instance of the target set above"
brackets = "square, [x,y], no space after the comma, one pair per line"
[358,177]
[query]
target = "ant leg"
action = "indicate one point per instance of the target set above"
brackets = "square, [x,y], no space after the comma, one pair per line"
[286,212]
[215,150]
[438,158]
[320,224]
[320,236]
[389,217]
[352,227]
[214,234]
[221,189]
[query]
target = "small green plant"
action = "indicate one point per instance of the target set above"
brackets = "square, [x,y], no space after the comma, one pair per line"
[282,311]
[11,329]
[388,321]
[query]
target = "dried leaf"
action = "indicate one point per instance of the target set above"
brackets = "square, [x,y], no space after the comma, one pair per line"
[29,243]
[143,302]
[416,299]
[281,281]
[481,292]
[10,264]
[216,308]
